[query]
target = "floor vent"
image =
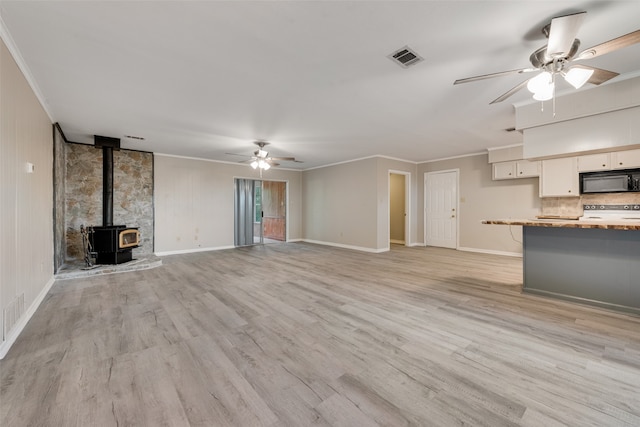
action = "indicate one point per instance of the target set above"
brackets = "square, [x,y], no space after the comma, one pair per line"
[11,314]
[405,57]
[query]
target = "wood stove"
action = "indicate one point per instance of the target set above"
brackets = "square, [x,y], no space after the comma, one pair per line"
[112,244]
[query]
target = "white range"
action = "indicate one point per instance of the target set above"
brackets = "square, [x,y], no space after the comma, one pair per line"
[611,213]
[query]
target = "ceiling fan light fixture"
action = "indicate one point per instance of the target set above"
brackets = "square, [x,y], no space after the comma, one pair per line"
[557,56]
[544,94]
[260,159]
[540,83]
[578,76]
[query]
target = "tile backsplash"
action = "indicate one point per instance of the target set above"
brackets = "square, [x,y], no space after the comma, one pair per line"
[572,206]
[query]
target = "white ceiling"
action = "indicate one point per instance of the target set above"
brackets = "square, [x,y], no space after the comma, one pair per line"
[201,79]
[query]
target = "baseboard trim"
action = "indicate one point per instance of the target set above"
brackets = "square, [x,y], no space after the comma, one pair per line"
[24,319]
[584,301]
[190,251]
[217,248]
[340,245]
[491,252]
[397,242]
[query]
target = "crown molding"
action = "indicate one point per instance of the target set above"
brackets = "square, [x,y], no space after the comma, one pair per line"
[22,65]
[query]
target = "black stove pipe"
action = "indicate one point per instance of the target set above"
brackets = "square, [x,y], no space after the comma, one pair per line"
[107,186]
[108,145]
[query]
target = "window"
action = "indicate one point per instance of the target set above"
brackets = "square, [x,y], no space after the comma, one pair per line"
[258,202]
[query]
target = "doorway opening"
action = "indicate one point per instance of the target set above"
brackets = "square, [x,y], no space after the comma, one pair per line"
[399,208]
[260,212]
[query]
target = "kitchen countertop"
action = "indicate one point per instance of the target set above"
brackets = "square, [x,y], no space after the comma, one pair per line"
[564,223]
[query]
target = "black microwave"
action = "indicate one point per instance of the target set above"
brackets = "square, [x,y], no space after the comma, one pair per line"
[610,182]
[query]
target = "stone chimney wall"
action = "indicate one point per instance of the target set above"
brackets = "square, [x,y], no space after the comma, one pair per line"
[133,194]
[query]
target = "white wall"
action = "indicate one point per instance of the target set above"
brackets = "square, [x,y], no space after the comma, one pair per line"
[482,198]
[348,204]
[26,199]
[339,204]
[194,203]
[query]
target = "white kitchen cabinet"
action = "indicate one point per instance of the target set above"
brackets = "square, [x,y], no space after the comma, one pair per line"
[504,170]
[627,159]
[559,177]
[594,162]
[516,169]
[527,168]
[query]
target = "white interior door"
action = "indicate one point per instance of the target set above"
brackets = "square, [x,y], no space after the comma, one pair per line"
[441,209]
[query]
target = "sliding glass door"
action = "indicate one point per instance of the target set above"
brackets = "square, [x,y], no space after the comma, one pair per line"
[260,212]
[245,212]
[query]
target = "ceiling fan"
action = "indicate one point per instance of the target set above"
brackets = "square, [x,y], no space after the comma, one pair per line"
[261,159]
[557,58]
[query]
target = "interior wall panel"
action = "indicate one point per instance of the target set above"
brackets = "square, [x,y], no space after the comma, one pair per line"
[340,204]
[26,199]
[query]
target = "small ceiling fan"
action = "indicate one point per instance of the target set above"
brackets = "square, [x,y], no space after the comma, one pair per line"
[261,159]
[557,58]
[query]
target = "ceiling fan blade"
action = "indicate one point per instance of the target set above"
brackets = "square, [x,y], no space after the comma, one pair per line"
[492,75]
[510,92]
[236,154]
[284,159]
[600,76]
[610,46]
[562,33]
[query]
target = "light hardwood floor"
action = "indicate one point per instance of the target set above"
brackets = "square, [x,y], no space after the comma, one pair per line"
[304,335]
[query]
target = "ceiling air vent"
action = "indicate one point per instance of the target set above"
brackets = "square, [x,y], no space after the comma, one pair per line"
[405,57]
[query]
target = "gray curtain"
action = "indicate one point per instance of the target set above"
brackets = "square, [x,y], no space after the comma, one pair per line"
[244,214]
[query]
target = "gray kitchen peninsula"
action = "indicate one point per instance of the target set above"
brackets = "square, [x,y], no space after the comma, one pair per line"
[589,262]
